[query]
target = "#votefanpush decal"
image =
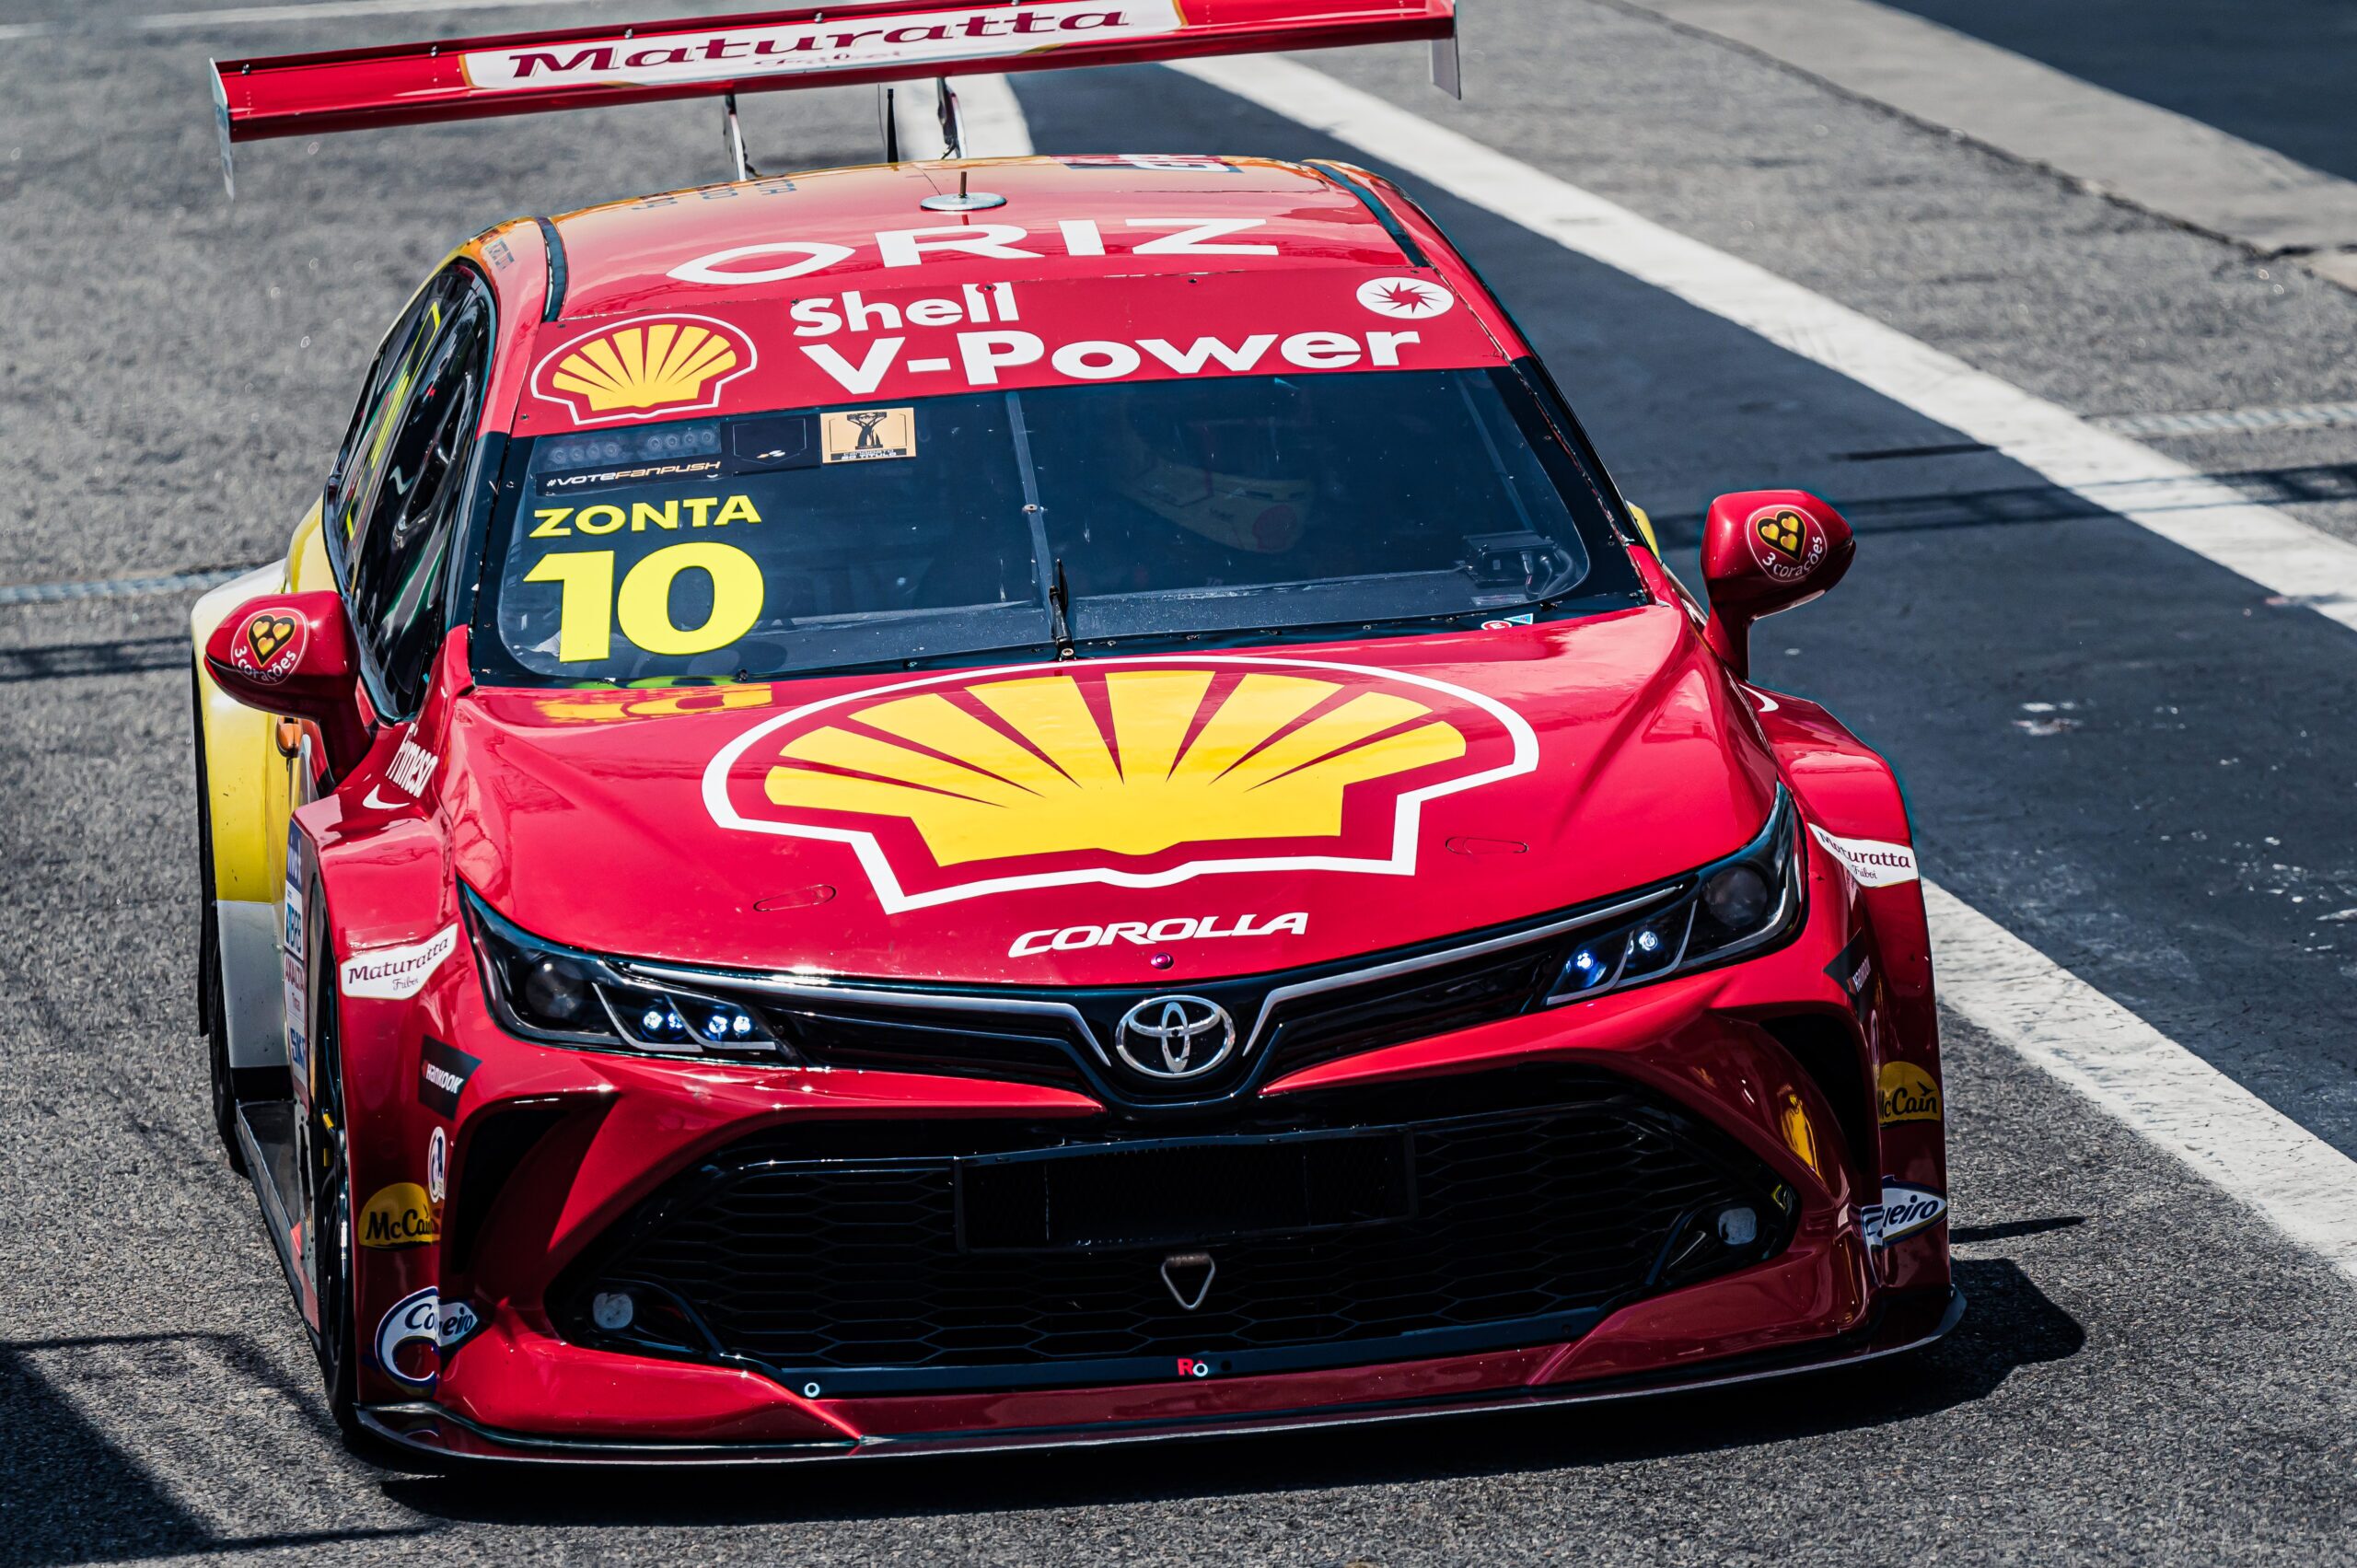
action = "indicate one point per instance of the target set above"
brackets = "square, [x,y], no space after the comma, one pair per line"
[269,645]
[1874,863]
[396,974]
[650,366]
[1137,774]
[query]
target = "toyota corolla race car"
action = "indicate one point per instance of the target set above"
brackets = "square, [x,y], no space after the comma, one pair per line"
[996,803]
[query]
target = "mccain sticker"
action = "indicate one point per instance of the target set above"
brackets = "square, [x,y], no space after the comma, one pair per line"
[1137,774]
[1906,1093]
[399,1215]
[396,974]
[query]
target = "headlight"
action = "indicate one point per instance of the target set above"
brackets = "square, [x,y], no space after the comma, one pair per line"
[561,995]
[1726,910]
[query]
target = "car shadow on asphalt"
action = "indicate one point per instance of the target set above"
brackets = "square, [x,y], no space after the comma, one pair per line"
[2008,1323]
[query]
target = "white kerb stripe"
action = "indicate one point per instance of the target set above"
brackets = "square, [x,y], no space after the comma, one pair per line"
[2178,502]
[2163,1092]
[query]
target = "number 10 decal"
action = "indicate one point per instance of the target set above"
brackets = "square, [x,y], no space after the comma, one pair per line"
[590,609]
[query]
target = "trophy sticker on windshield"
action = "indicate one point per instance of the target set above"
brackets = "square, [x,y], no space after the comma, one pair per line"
[865,433]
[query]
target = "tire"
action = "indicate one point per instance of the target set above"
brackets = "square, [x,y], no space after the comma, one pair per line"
[328,1189]
[212,991]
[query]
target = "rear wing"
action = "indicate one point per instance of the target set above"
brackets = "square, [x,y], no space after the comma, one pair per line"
[848,42]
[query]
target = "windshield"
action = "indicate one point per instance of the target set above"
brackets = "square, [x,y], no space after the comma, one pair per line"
[1242,509]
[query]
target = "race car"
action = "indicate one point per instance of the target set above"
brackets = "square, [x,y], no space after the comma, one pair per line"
[974,804]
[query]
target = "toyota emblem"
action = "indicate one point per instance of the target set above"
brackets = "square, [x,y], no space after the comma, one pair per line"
[1175,1037]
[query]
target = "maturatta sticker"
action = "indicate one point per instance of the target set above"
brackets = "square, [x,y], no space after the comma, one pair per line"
[1874,863]
[396,974]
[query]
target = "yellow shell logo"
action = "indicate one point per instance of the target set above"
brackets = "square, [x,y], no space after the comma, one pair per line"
[1139,774]
[657,365]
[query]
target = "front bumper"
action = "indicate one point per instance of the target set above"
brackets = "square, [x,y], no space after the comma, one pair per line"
[1900,1323]
[555,1154]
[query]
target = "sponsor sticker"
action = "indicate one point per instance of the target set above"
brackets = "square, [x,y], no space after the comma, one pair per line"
[649,365]
[437,1167]
[838,42]
[1786,542]
[396,974]
[398,1216]
[685,470]
[1155,934]
[269,645]
[1873,861]
[442,1074]
[864,435]
[411,766]
[1154,163]
[1903,1211]
[1124,772]
[1406,299]
[422,1318]
[1907,1093]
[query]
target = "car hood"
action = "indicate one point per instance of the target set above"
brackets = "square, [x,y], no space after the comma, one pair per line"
[1111,821]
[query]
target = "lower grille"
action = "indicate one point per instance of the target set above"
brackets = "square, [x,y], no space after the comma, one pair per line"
[1518,1208]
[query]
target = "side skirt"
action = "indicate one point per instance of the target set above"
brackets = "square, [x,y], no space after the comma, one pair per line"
[266,1132]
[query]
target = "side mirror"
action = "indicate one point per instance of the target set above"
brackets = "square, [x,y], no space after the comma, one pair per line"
[292,654]
[1764,551]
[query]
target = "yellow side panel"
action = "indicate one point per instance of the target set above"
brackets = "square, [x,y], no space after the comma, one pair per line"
[249,782]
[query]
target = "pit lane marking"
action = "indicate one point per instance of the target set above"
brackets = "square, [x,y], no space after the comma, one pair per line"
[295,14]
[2145,487]
[2163,1092]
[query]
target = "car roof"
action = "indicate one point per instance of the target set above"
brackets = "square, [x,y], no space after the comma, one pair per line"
[621,256]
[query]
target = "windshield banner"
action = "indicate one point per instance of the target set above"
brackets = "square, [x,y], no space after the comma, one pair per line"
[967,333]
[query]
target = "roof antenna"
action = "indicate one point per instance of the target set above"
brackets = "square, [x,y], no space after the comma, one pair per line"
[735,135]
[964,202]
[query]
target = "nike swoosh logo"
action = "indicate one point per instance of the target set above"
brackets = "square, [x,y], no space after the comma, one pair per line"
[377,803]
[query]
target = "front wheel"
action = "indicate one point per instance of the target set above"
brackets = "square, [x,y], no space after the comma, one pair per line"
[212,991]
[328,1188]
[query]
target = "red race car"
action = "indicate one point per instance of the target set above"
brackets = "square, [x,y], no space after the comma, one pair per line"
[971,804]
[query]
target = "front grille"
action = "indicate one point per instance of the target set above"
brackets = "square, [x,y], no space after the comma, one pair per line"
[1059,1038]
[1433,1218]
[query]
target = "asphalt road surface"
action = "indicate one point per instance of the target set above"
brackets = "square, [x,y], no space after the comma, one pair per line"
[2274,72]
[2139,763]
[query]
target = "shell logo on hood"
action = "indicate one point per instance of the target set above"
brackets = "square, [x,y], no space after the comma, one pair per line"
[1137,773]
[654,365]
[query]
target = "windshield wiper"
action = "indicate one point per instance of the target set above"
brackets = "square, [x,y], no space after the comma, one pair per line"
[1059,612]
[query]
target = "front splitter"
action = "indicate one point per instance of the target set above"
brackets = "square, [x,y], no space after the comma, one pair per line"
[1904,1325]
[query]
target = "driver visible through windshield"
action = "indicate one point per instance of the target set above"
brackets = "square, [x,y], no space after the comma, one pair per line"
[1012,523]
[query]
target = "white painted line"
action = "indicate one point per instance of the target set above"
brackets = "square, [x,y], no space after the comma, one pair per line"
[271,15]
[2228,420]
[2151,158]
[2180,504]
[2163,1092]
